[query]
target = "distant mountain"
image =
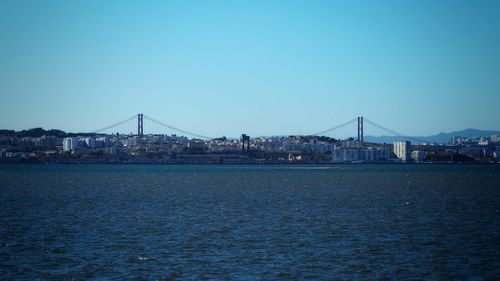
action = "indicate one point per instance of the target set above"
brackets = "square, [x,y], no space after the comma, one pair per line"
[439,138]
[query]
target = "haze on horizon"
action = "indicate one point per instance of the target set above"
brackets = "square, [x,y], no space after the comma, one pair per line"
[256,67]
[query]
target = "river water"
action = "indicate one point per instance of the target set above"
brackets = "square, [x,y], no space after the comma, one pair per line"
[249,222]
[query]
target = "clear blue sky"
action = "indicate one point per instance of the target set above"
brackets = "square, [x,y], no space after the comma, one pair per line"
[258,67]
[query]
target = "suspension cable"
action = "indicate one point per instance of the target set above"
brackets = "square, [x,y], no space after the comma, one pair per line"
[337,127]
[177,129]
[115,125]
[392,131]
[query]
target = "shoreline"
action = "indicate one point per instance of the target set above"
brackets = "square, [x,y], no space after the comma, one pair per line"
[243,163]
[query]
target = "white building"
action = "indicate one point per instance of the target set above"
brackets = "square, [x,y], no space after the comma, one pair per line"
[90,142]
[402,149]
[418,155]
[102,141]
[197,144]
[365,154]
[320,147]
[483,141]
[292,145]
[224,146]
[70,144]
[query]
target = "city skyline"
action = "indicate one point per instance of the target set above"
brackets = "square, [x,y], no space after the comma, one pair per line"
[262,68]
[376,133]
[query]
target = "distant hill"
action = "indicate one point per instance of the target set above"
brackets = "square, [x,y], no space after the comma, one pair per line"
[38,132]
[439,138]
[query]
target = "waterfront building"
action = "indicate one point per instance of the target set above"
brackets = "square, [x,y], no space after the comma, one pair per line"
[320,147]
[90,142]
[102,141]
[418,156]
[70,144]
[45,141]
[224,146]
[402,149]
[364,154]
[272,144]
[290,145]
[197,144]
[496,153]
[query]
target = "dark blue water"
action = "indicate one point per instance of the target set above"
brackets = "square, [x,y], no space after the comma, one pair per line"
[164,222]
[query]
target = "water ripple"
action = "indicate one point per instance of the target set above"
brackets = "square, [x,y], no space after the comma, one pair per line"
[249,222]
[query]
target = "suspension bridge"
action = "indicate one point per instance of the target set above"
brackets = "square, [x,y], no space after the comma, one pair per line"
[355,128]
